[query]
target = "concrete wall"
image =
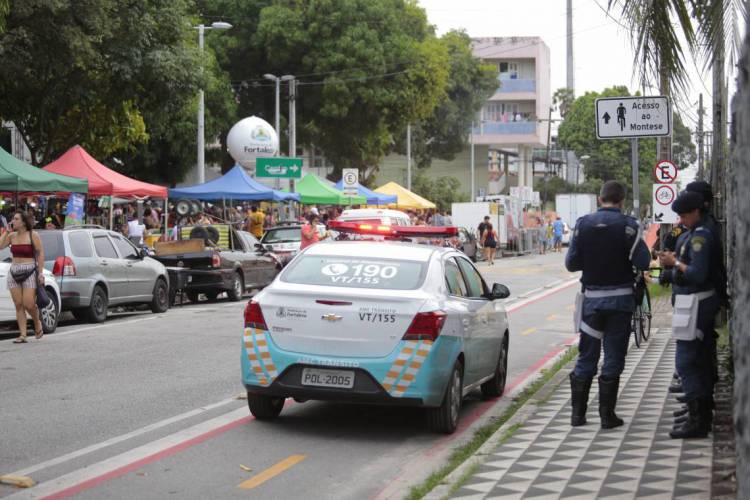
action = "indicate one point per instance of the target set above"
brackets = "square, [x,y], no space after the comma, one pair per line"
[738,235]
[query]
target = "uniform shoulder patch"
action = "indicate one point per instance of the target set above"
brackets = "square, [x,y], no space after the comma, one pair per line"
[677,231]
[697,243]
[630,231]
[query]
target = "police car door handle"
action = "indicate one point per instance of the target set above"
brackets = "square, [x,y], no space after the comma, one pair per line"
[104,262]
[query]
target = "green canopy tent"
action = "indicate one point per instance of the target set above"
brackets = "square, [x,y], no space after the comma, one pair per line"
[313,190]
[17,176]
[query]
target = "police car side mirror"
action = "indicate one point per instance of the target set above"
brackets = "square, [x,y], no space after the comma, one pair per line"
[499,292]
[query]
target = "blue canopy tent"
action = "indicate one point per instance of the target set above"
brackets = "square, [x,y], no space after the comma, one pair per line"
[373,198]
[234,185]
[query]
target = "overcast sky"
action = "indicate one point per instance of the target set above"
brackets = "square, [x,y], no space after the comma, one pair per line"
[602,50]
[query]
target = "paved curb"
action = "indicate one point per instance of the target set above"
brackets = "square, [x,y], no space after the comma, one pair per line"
[443,489]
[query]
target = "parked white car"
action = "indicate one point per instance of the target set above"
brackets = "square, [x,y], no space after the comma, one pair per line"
[50,314]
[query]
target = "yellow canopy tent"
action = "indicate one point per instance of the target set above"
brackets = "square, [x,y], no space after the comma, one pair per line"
[406,199]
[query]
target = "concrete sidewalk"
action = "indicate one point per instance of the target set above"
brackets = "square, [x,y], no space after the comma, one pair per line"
[547,458]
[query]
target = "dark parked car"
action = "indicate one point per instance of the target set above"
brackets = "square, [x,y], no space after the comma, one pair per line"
[228,261]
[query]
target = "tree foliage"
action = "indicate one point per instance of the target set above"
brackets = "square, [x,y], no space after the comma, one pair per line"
[112,76]
[366,68]
[444,133]
[563,98]
[443,191]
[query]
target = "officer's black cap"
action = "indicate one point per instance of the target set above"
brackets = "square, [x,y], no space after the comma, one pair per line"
[687,201]
[703,188]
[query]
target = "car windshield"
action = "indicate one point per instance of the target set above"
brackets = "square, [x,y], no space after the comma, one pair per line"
[282,235]
[356,272]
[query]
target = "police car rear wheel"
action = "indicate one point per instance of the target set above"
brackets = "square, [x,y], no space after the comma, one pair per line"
[444,418]
[495,386]
[264,407]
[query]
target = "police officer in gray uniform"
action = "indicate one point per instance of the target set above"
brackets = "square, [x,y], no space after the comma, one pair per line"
[695,306]
[606,246]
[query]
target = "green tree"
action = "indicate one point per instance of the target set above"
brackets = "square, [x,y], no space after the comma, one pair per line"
[103,74]
[365,69]
[442,191]
[684,151]
[445,132]
[4,9]
[563,98]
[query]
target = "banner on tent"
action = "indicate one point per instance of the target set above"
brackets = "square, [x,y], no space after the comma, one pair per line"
[74,214]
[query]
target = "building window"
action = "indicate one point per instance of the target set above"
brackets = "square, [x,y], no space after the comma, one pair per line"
[508,70]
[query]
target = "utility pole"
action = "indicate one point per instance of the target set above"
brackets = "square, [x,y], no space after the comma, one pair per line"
[292,124]
[701,164]
[719,127]
[473,179]
[570,80]
[408,156]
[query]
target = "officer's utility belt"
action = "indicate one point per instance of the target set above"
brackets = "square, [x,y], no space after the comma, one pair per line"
[578,324]
[685,317]
[601,294]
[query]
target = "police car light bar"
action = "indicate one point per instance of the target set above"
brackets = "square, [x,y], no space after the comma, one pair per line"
[393,231]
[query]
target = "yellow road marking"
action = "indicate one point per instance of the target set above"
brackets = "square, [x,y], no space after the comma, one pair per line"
[272,472]
[551,317]
[528,331]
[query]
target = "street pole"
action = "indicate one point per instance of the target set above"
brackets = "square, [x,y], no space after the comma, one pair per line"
[473,178]
[700,137]
[292,124]
[200,167]
[636,186]
[570,68]
[277,81]
[408,156]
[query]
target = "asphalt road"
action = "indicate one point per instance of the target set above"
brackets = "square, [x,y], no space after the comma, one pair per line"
[146,406]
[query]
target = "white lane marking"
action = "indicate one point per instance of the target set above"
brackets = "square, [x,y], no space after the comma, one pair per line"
[129,457]
[119,439]
[545,293]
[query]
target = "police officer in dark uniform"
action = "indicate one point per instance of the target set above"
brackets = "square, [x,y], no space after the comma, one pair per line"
[606,246]
[696,304]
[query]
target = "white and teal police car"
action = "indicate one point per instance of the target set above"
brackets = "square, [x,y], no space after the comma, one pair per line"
[381,322]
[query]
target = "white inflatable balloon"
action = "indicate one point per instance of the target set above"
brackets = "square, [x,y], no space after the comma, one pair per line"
[251,138]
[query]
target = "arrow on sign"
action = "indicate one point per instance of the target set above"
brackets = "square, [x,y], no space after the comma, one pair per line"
[293,168]
[606,117]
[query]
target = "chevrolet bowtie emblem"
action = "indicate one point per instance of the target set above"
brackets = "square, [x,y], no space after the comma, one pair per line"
[331,317]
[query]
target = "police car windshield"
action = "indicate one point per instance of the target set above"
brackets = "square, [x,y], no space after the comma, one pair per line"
[356,272]
[282,235]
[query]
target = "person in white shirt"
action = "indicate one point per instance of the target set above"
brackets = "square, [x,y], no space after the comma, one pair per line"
[135,231]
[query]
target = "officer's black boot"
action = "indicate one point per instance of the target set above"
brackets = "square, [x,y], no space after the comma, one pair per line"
[709,414]
[697,425]
[607,402]
[579,389]
[676,388]
[681,412]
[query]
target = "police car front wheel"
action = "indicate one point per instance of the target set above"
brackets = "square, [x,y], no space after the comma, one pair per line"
[264,407]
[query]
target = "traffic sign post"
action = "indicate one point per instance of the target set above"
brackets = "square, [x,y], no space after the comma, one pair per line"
[663,197]
[279,167]
[665,172]
[350,181]
[623,117]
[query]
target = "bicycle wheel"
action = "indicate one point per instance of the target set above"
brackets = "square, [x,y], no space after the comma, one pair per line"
[646,309]
[636,326]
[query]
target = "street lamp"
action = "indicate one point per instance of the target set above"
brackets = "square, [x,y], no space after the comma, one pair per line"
[277,80]
[578,169]
[201,165]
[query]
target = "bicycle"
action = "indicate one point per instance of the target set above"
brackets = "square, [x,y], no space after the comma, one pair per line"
[641,323]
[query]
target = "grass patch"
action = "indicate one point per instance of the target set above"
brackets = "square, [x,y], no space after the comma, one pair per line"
[725,338]
[482,434]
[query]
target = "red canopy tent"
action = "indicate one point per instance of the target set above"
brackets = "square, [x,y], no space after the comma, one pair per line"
[103,181]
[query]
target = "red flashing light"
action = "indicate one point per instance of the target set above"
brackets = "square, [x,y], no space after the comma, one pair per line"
[64,266]
[395,231]
[254,316]
[426,326]
[216,260]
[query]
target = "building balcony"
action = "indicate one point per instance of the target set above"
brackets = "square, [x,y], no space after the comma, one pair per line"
[516,85]
[509,128]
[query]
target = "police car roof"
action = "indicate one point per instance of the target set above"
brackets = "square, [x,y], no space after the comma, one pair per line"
[375,249]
